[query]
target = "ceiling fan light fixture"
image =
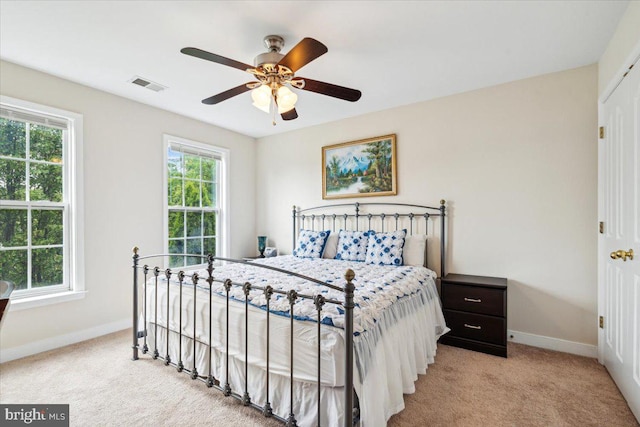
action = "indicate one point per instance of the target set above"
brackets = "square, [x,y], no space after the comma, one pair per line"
[286,99]
[262,97]
[273,71]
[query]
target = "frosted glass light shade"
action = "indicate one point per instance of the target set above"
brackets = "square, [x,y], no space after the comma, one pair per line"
[286,99]
[262,97]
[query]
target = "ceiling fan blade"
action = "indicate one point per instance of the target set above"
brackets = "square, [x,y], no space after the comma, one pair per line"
[290,115]
[223,96]
[202,54]
[301,54]
[329,89]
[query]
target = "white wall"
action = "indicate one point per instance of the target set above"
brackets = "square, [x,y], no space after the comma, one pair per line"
[517,164]
[623,42]
[123,199]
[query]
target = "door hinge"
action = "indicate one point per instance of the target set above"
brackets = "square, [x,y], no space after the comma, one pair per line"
[601,132]
[601,227]
[601,322]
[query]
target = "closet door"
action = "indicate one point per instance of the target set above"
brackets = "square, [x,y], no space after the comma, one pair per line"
[620,244]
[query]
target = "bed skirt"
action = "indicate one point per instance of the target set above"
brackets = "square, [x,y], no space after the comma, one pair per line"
[388,360]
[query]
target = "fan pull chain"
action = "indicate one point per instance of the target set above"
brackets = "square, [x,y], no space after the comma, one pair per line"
[273,110]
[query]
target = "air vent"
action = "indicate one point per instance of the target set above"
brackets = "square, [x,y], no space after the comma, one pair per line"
[156,87]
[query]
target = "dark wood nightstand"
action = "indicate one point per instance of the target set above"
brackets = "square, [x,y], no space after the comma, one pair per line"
[475,308]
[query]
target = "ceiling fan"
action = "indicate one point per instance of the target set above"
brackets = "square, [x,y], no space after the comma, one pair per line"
[274,73]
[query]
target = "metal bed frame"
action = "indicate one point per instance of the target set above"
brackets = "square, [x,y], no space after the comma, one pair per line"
[301,218]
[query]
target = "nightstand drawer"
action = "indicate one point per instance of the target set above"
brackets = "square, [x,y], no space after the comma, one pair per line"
[476,326]
[475,299]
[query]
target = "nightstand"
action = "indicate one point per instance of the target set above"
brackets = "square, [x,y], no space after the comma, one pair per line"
[475,308]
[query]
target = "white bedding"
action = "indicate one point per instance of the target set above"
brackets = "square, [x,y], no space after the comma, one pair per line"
[397,320]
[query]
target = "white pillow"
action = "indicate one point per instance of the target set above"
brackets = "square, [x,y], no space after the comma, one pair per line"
[414,250]
[331,247]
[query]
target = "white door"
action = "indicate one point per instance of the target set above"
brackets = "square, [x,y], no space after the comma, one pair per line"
[620,187]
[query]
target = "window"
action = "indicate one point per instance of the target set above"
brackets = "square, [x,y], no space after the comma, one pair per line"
[39,247]
[195,200]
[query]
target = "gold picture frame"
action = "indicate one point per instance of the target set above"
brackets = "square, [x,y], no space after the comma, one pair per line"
[360,168]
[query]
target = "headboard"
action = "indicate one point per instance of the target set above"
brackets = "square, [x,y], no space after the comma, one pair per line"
[373,216]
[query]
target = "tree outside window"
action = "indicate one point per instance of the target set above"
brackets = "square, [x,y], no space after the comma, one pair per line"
[32,204]
[193,182]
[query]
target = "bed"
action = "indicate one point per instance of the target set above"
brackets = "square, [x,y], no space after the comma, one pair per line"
[304,338]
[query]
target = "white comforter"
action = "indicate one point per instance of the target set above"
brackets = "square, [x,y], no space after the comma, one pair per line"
[397,321]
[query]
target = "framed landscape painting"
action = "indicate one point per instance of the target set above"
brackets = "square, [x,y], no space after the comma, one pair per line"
[360,168]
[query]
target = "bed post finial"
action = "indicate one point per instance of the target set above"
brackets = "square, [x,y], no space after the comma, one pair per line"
[443,201]
[349,289]
[349,275]
[135,250]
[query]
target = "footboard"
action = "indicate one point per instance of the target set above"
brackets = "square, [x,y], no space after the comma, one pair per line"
[221,382]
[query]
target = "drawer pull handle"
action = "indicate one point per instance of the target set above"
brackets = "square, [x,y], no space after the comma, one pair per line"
[472,326]
[473,300]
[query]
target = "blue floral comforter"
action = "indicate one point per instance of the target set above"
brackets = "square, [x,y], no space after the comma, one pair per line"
[376,287]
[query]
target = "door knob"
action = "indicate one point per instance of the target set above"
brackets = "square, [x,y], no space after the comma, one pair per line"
[622,254]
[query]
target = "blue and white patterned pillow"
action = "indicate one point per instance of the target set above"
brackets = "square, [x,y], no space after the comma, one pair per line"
[386,248]
[352,245]
[311,243]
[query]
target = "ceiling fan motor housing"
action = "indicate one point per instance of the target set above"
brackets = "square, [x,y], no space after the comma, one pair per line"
[267,58]
[274,44]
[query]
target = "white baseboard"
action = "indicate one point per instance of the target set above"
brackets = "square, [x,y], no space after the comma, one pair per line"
[550,343]
[61,340]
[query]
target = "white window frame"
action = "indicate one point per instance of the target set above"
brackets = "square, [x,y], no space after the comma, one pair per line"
[222,222]
[73,286]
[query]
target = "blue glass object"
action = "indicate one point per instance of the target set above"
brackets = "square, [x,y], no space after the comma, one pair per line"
[262,244]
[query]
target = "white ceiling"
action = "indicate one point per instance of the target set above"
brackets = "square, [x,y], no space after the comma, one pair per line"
[395,52]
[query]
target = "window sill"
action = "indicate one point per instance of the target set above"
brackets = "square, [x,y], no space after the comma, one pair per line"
[42,300]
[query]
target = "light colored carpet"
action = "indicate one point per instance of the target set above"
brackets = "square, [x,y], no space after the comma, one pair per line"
[533,387]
